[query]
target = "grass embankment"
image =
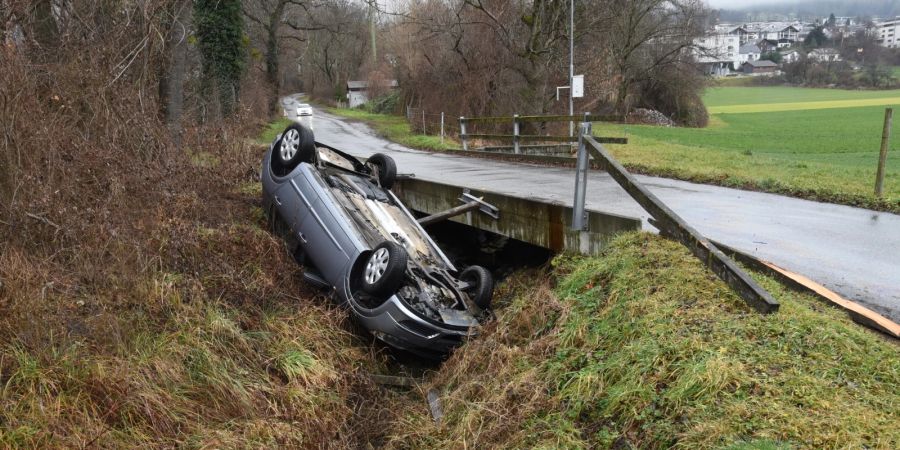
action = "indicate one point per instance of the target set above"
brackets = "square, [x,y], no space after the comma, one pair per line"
[272,130]
[643,348]
[396,129]
[828,150]
[183,325]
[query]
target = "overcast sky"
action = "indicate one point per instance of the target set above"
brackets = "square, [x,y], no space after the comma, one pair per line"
[737,4]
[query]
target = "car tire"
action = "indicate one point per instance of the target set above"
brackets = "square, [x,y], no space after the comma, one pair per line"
[387,169]
[384,268]
[481,285]
[297,144]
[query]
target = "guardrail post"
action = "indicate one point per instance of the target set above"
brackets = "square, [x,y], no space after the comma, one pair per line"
[516,133]
[462,133]
[882,156]
[579,217]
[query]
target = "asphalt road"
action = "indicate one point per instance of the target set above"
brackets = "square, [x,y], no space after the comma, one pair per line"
[853,251]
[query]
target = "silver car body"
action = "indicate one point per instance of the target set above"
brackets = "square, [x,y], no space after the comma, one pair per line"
[337,215]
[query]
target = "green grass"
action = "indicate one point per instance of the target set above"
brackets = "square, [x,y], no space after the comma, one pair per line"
[397,129]
[733,96]
[644,348]
[826,153]
[269,133]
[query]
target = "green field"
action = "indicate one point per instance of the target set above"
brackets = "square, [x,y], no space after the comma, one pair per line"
[814,143]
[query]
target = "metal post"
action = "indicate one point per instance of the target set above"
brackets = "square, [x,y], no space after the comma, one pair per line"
[516,134]
[571,63]
[442,128]
[882,157]
[579,217]
[462,133]
[424,130]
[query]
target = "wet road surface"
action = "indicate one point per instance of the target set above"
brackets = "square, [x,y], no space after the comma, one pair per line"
[853,251]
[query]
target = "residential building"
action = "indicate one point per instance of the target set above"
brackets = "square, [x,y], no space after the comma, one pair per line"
[759,67]
[790,57]
[783,33]
[749,52]
[824,55]
[887,33]
[718,52]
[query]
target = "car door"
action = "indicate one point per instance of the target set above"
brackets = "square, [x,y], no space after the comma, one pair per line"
[294,200]
[322,233]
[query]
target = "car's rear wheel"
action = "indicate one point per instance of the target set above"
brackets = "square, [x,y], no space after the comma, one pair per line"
[481,285]
[297,144]
[386,169]
[384,269]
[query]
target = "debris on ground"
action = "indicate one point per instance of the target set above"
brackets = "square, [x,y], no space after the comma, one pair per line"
[644,116]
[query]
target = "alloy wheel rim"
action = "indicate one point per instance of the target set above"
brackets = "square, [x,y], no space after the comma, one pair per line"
[289,144]
[377,265]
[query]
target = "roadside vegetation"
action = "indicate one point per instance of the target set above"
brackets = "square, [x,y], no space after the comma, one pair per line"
[397,129]
[644,348]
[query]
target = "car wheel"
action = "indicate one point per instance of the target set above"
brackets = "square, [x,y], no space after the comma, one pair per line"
[297,144]
[481,285]
[387,169]
[384,269]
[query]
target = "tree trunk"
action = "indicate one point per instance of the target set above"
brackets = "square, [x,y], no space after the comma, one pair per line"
[44,27]
[171,80]
[272,63]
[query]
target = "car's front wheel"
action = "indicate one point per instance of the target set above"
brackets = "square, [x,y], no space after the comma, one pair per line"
[296,145]
[384,269]
[481,285]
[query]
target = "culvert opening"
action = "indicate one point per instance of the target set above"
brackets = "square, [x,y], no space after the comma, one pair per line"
[466,245]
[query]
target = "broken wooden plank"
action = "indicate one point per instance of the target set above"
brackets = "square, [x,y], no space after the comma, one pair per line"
[673,225]
[554,118]
[801,283]
[540,137]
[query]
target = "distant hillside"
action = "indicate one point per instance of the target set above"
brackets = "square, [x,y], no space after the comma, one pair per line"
[811,9]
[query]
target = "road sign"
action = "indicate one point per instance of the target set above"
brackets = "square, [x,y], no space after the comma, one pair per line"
[578,86]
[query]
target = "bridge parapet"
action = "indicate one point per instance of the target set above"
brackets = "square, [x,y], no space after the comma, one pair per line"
[541,223]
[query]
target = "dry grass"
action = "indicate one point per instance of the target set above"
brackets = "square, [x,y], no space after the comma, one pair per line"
[142,302]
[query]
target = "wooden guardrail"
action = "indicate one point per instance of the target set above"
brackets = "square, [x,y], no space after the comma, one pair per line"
[517,137]
[673,226]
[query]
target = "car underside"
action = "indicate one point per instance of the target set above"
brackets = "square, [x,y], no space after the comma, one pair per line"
[356,238]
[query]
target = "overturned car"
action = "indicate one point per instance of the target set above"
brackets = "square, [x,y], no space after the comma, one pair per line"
[341,221]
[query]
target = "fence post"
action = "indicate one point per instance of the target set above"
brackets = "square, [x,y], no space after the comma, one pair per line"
[579,217]
[442,128]
[516,133]
[882,157]
[424,130]
[462,133]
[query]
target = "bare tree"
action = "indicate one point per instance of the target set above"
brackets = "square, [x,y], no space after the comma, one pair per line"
[173,68]
[280,21]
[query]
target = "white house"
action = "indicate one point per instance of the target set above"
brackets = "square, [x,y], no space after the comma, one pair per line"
[718,52]
[790,57]
[784,33]
[749,52]
[888,33]
[824,55]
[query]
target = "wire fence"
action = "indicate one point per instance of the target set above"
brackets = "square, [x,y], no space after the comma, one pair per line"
[432,123]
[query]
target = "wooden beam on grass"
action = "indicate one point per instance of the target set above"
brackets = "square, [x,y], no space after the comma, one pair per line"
[674,226]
